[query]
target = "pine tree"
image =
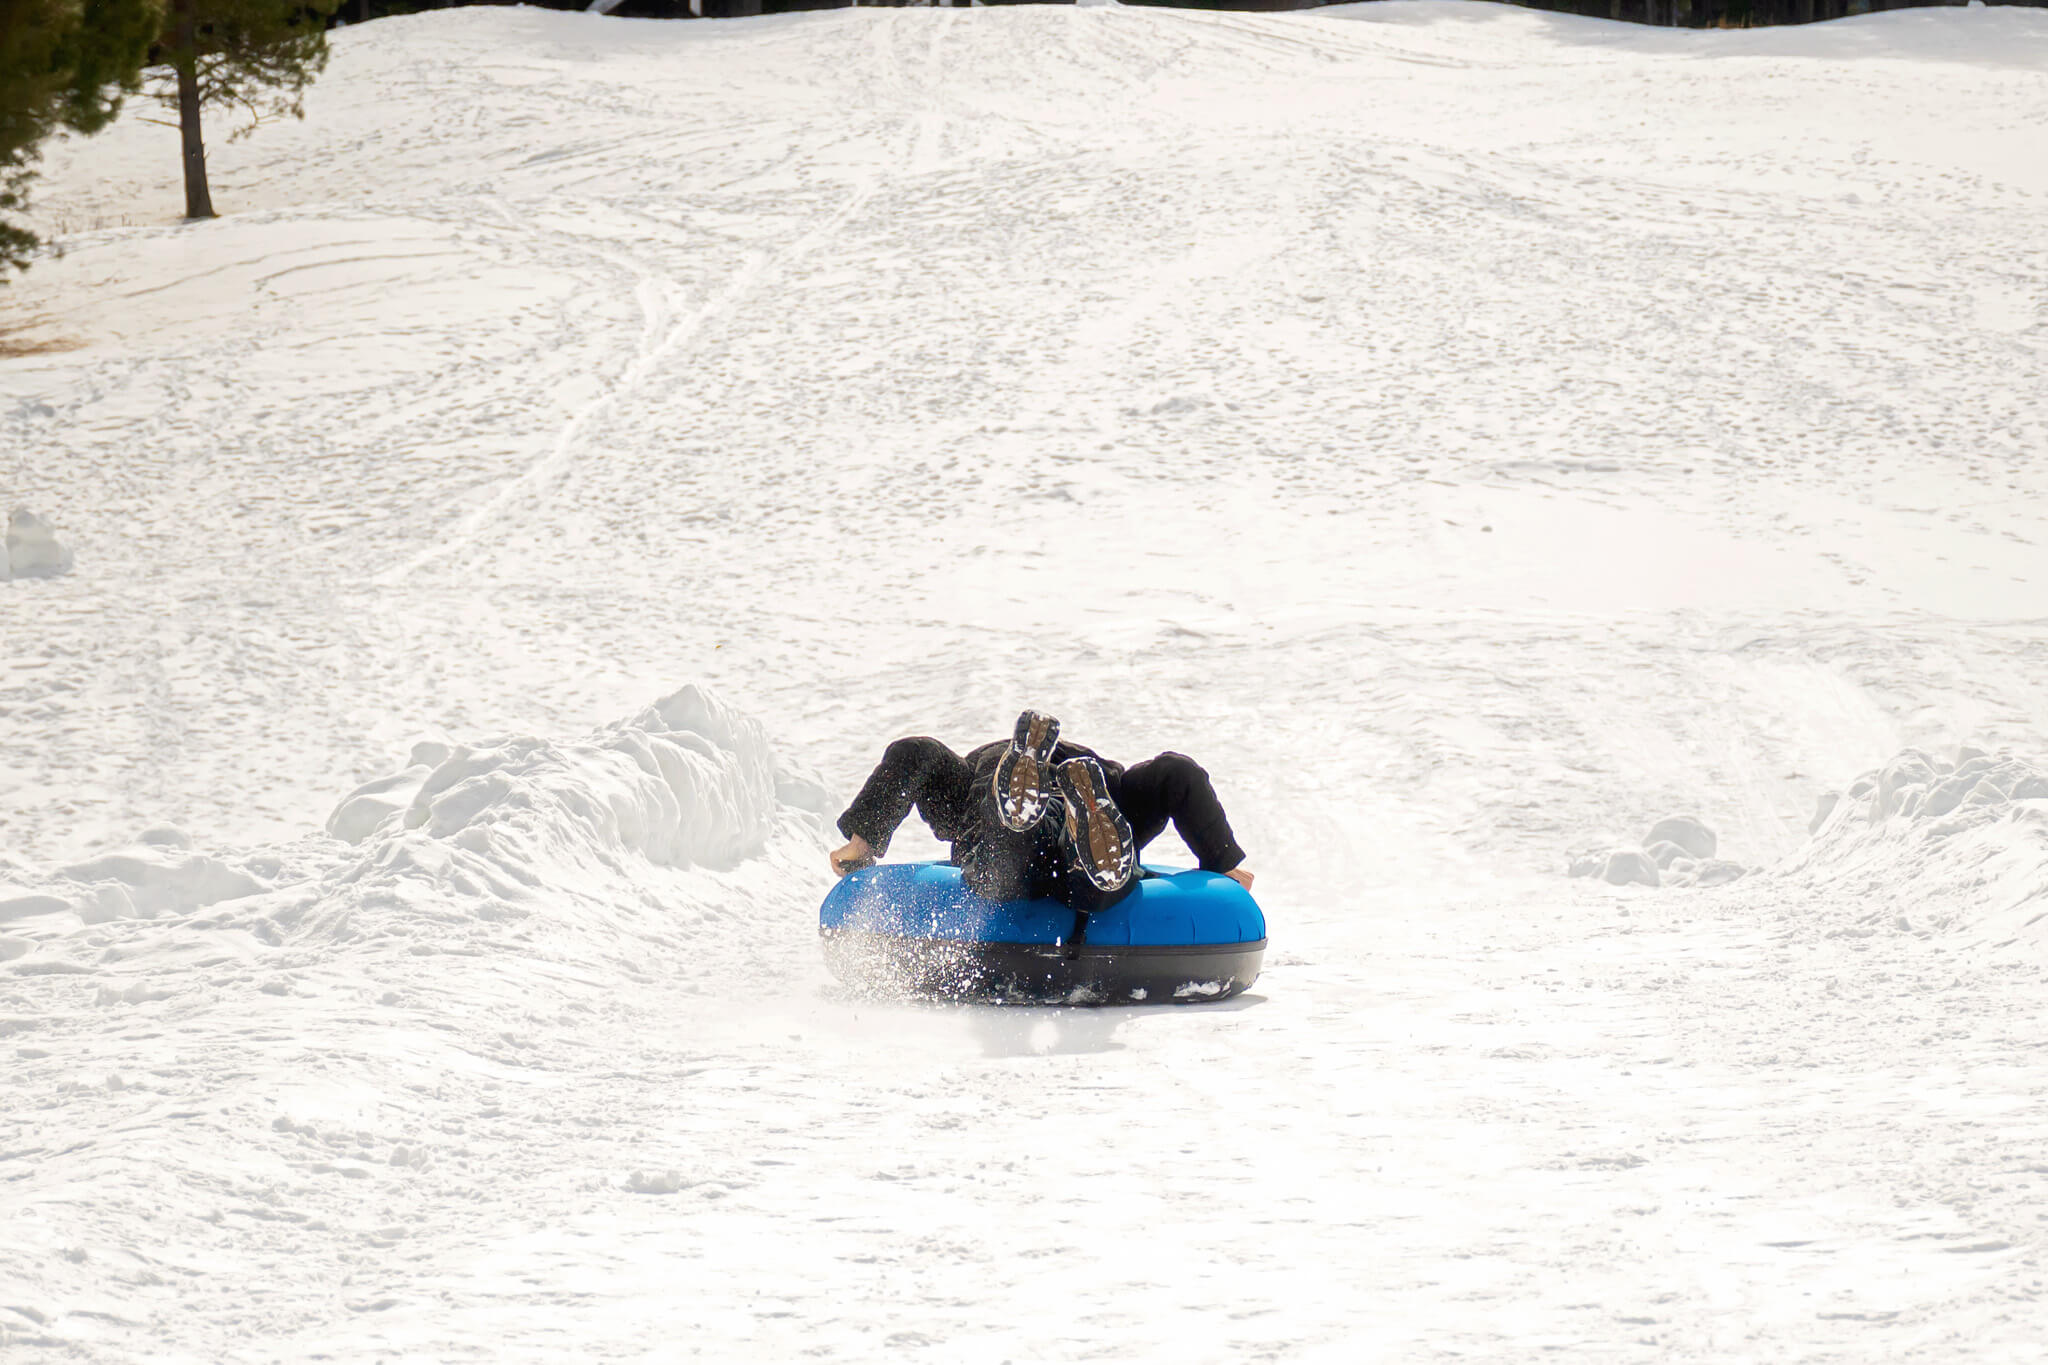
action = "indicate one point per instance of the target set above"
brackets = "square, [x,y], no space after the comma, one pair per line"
[257,56]
[63,64]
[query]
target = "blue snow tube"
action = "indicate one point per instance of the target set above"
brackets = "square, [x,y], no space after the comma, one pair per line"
[1180,936]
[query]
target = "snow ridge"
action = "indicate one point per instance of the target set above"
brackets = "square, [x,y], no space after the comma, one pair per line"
[634,816]
[687,781]
[1931,845]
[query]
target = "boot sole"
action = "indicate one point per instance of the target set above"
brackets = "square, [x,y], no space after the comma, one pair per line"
[1103,840]
[1023,778]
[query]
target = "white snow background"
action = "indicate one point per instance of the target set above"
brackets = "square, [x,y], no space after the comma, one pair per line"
[1472,433]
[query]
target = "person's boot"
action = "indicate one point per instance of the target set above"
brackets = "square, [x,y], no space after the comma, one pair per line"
[1023,780]
[1098,836]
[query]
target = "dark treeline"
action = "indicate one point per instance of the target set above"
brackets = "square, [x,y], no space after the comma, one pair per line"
[1668,13]
[1738,13]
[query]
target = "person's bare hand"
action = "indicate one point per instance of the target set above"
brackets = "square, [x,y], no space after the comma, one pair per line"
[1241,877]
[856,855]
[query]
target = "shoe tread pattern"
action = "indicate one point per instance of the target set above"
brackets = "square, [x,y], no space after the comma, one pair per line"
[1096,830]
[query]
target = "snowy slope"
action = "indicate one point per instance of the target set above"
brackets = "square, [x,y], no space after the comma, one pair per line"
[1472,433]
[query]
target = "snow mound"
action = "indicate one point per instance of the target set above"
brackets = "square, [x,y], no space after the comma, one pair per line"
[152,879]
[1937,846]
[32,549]
[640,836]
[145,881]
[1677,851]
[686,783]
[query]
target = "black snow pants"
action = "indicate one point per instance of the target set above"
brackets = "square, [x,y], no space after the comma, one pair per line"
[956,796]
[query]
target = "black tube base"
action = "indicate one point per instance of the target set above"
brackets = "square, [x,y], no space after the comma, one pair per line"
[1047,974]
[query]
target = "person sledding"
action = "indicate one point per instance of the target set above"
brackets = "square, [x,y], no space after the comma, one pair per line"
[1037,816]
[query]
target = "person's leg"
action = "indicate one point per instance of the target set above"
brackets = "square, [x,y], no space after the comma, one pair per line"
[997,861]
[1013,849]
[1010,865]
[1035,864]
[1175,787]
[918,771]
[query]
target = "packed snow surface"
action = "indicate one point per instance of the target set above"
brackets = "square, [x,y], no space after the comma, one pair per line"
[1485,439]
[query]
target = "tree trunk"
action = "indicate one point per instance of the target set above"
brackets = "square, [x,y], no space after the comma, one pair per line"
[185,57]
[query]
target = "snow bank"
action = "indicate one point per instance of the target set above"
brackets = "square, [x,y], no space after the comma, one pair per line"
[1922,845]
[156,876]
[32,549]
[632,819]
[150,880]
[633,839]
[1929,845]
[687,782]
